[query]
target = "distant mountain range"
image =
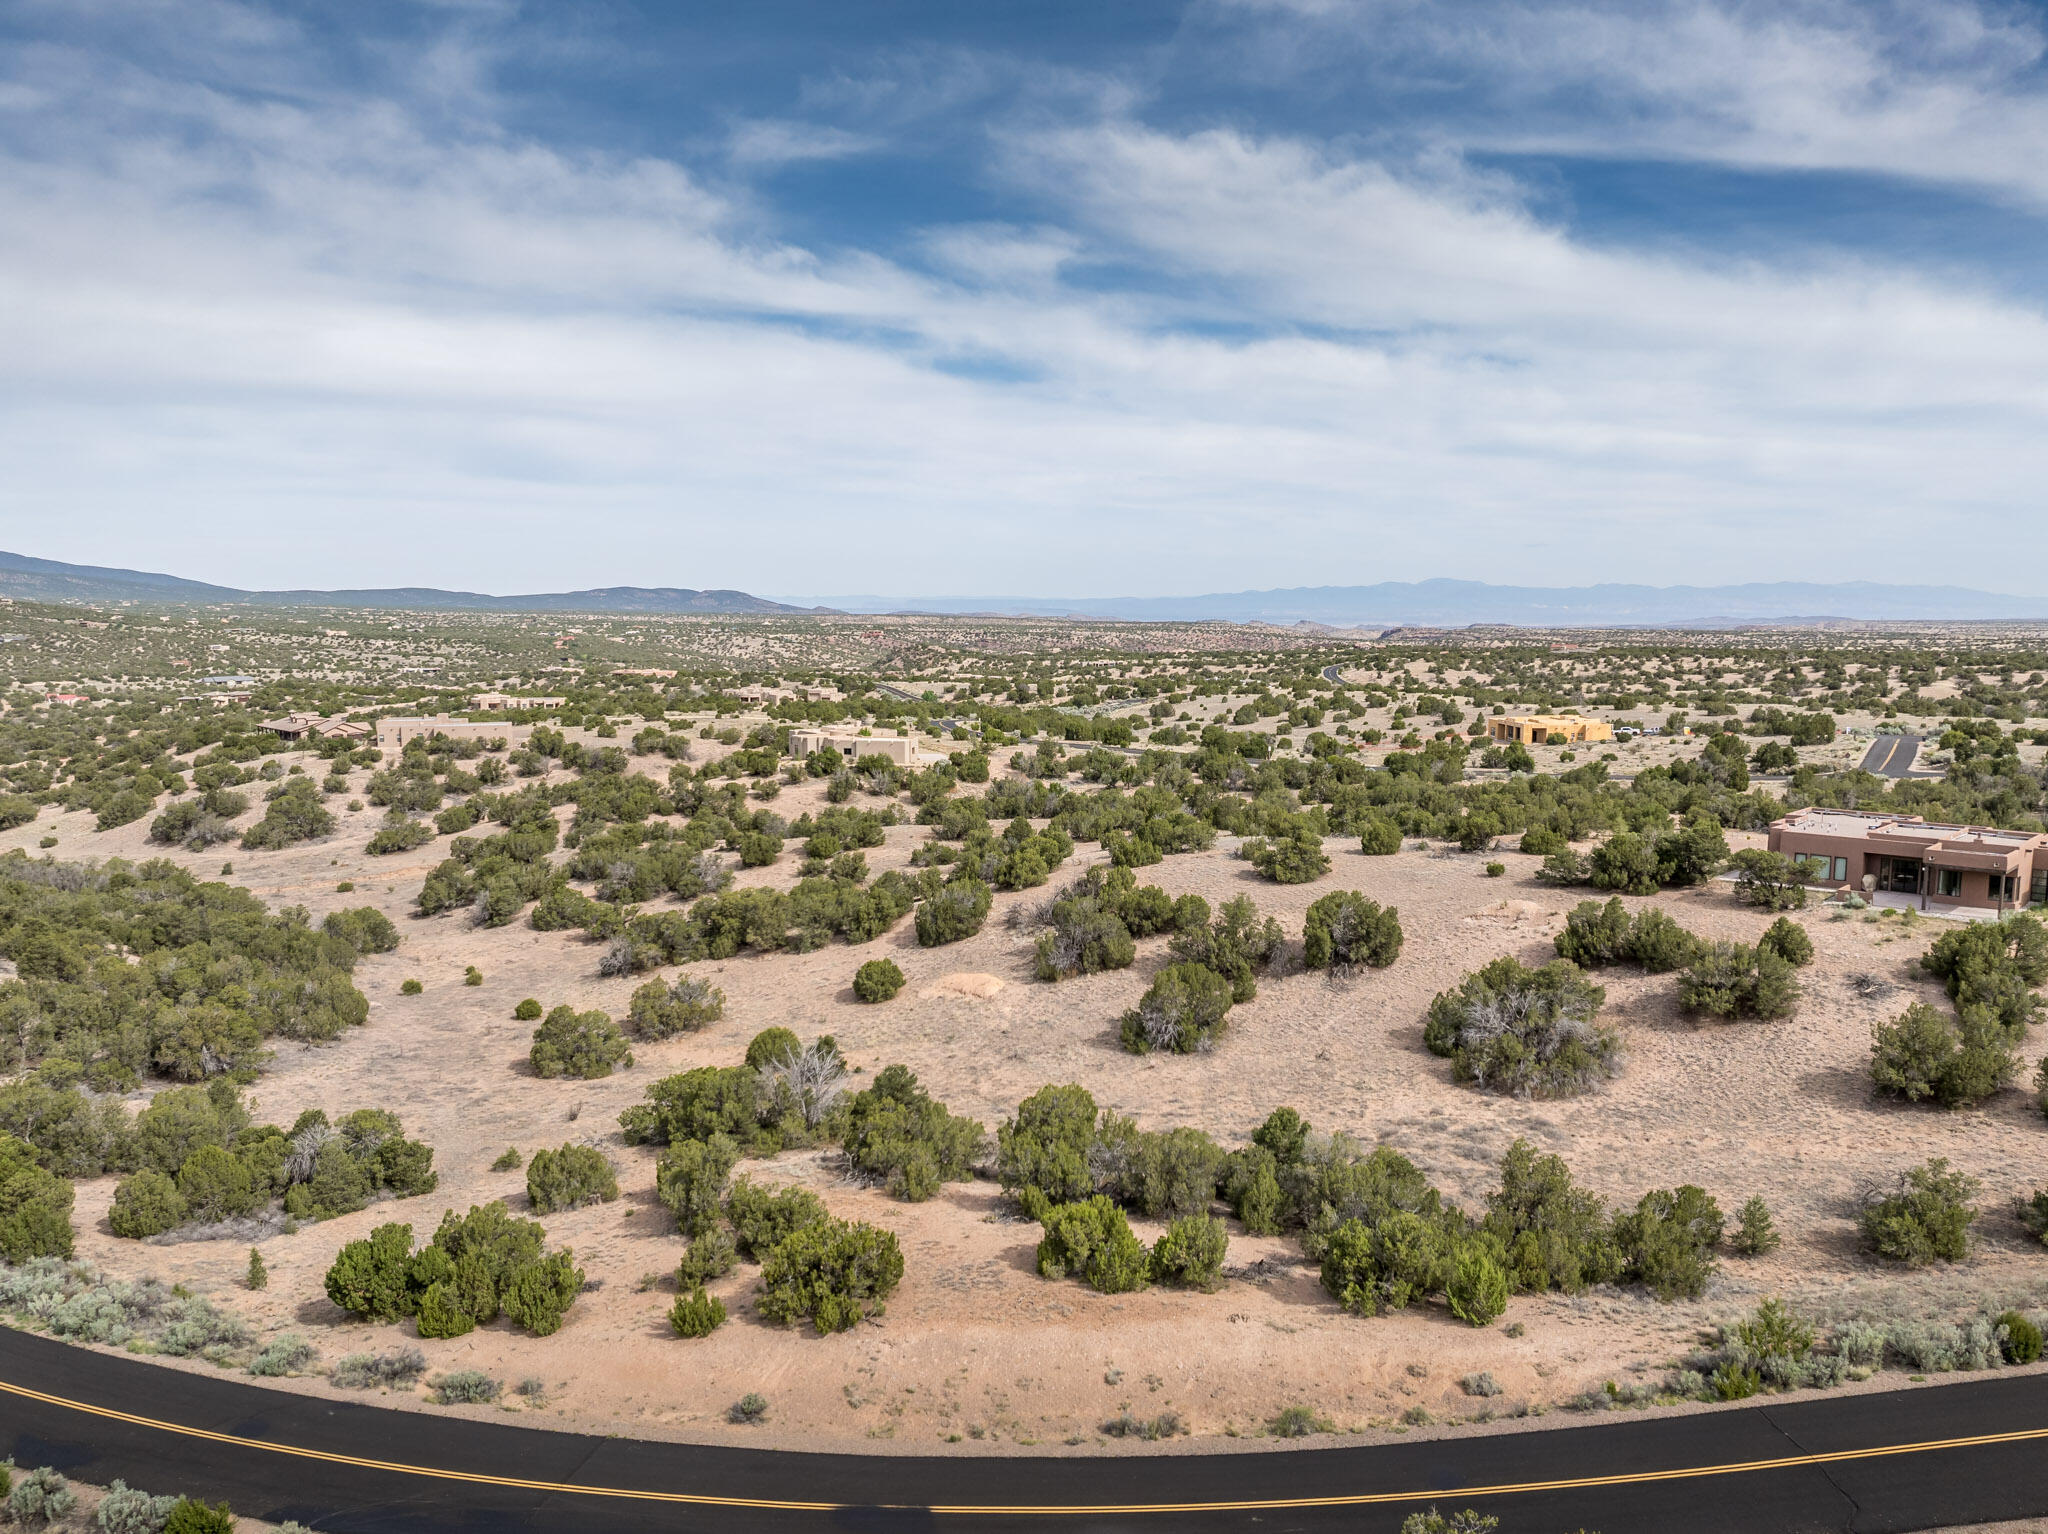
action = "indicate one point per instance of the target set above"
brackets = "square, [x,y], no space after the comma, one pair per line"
[1457,604]
[46,580]
[1391,604]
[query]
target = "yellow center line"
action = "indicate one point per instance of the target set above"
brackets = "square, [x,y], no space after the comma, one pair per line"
[965,1510]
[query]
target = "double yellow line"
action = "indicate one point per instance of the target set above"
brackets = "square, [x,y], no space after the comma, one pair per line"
[1078,1509]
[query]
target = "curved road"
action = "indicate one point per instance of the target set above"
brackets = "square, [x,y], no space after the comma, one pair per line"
[1900,1460]
[1891,756]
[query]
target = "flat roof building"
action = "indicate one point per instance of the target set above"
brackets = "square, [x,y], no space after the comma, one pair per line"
[1548,729]
[392,734]
[900,749]
[490,702]
[1948,865]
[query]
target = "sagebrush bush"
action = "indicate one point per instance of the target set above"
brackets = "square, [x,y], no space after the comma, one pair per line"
[467,1387]
[1531,1032]
[126,1510]
[288,1354]
[364,1371]
[39,1497]
[878,980]
[1926,1217]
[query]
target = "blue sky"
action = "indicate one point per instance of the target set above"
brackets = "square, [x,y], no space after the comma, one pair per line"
[1003,298]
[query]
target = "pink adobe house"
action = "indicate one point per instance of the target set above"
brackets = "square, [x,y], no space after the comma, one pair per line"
[1943,865]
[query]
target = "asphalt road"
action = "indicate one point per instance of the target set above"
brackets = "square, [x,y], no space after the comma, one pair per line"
[1891,756]
[1895,1461]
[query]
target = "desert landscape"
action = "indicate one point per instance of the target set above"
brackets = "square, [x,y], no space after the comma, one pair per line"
[974,1351]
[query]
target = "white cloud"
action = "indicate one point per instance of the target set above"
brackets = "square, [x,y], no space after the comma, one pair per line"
[314,340]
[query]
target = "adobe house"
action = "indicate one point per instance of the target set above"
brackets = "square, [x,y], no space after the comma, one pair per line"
[1548,729]
[1943,865]
[392,734]
[900,749]
[312,726]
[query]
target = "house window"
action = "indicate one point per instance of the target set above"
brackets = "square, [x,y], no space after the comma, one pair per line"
[1949,882]
[1841,870]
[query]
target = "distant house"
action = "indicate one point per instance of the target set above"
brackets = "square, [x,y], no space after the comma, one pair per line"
[65,697]
[392,734]
[315,727]
[900,749]
[492,702]
[1904,855]
[653,671]
[1548,729]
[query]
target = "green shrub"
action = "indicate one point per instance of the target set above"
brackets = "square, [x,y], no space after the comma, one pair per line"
[1092,1241]
[1042,1153]
[877,980]
[952,913]
[1496,870]
[895,1131]
[216,1184]
[527,1011]
[2022,1343]
[1755,1235]
[1768,879]
[1173,1173]
[1294,857]
[1299,1422]
[146,1204]
[690,1181]
[294,815]
[763,1221]
[365,929]
[35,1206]
[1182,1011]
[257,1276]
[1596,935]
[1789,941]
[1189,1254]
[1238,944]
[661,1011]
[540,1293]
[1667,1243]
[399,833]
[1388,1262]
[1736,980]
[126,1510]
[771,1044]
[1922,1056]
[1434,1522]
[833,1272]
[1345,929]
[475,1267]
[696,1314]
[471,975]
[508,1161]
[709,1256]
[410,987]
[1380,837]
[751,1407]
[1531,1032]
[1994,966]
[1477,1289]
[191,1516]
[583,1044]
[368,1277]
[569,1178]
[1555,1235]
[1927,1217]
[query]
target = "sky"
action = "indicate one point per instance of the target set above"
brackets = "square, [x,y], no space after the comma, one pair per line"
[1030,297]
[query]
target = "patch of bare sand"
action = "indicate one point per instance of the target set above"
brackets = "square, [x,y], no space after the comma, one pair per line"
[975,1344]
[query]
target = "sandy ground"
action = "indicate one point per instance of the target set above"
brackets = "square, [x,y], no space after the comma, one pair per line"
[975,1347]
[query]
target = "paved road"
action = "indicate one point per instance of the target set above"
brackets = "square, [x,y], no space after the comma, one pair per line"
[1787,1466]
[1891,756]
